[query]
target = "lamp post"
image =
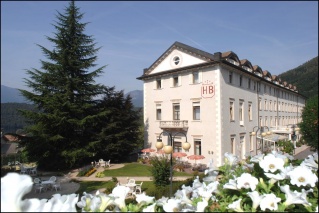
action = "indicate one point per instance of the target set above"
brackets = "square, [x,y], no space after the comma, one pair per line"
[293,135]
[168,149]
[263,133]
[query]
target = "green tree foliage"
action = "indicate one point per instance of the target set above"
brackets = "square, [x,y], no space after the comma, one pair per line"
[304,77]
[70,116]
[120,132]
[309,124]
[160,170]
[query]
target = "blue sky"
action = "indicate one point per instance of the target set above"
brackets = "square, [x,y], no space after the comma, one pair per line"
[276,35]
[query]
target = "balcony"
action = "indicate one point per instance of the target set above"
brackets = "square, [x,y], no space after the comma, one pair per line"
[174,124]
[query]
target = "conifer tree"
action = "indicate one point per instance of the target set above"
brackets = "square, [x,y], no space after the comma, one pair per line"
[65,93]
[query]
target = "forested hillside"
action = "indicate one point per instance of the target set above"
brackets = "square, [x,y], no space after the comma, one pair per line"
[11,120]
[304,77]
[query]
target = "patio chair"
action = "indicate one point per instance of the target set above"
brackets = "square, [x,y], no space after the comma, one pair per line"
[37,180]
[53,178]
[39,188]
[108,163]
[138,187]
[56,186]
[23,170]
[33,171]
[131,181]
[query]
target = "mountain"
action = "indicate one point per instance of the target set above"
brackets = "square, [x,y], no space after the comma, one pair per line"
[137,97]
[11,95]
[304,77]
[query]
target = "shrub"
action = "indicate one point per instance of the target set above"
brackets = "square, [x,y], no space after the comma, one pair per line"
[114,179]
[160,170]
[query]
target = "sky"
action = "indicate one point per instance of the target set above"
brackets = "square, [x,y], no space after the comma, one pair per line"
[276,35]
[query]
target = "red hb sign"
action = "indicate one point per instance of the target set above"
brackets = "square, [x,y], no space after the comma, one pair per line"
[208,90]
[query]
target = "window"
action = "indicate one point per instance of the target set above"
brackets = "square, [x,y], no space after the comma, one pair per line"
[158,83]
[230,77]
[249,83]
[270,106]
[240,80]
[177,146]
[176,112]
[198,147]
[158,112]
[175,81]
[196,111]
[259,104]
[250,113]
[241,113]
[176,60]
[265,87]
[195,77]
[265,105]
[233,145]
[231,111]
[254,85]
[242,146]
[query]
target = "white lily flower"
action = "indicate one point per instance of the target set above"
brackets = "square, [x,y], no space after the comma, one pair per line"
[144,198]
[230,159]
[255,197]
[275,177]
[161,201]
[247,181]
[271,163]
[172,205]
[85,201]
[63,203]
[178,194]
[201,206]
[105,201]
[269,201]
[36,205]
[150,208]
[236,206]
[302,176]
[257,158]
[311,162]
[185,198]
[231,185]
[284,156]
[119,193]
[188,189]
[293,197]
[196,183]
[14,186]
[207,191]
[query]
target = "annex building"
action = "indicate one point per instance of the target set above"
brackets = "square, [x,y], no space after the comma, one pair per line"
[217,101]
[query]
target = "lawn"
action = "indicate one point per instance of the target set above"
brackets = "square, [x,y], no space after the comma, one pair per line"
[136,170]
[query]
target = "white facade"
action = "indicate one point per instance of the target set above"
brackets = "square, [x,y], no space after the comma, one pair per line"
[216,100]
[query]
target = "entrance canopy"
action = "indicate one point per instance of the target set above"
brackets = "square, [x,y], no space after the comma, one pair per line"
[273,138]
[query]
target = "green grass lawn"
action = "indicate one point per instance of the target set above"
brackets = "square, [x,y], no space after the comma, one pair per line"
[136,170]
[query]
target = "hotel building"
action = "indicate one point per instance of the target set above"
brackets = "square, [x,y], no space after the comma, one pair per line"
[216,102]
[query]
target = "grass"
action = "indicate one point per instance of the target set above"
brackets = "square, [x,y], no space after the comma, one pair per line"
[136,170]
[148,187]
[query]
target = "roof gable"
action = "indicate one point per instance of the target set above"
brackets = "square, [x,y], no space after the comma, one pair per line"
[177,56]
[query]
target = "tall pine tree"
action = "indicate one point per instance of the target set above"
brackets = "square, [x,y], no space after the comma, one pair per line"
[65,131]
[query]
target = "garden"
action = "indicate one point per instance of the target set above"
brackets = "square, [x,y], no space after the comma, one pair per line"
[265,182]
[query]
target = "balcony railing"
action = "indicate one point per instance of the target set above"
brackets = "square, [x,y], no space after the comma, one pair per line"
[174,124]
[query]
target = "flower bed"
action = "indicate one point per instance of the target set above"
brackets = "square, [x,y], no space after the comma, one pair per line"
[272,182]
[90,172]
